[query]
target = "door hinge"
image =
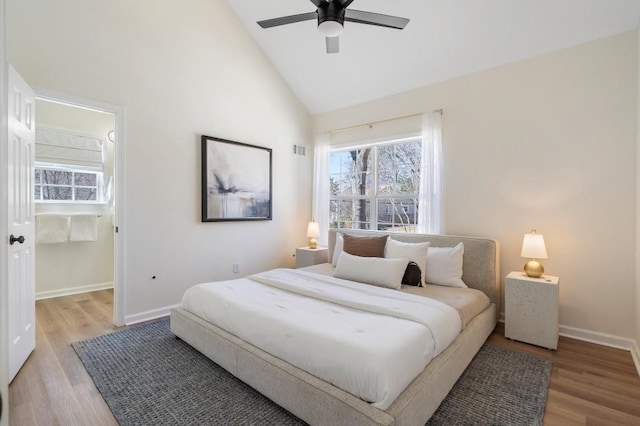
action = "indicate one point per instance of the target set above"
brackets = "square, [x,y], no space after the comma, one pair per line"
[116,229]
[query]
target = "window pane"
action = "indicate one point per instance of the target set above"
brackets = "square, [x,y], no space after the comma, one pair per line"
[397,214]
[56,192]
[399,168]
[86,194]
[56,177]
[61,183]
[350,172]
[85,179]
[353,214]
[341,185]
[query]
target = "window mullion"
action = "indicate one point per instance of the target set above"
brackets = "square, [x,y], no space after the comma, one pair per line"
[73,186]
[373,199]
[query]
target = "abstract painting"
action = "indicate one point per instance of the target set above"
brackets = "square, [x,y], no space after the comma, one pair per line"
[236,181]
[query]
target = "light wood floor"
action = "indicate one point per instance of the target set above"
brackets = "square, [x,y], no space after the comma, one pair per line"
[590,384]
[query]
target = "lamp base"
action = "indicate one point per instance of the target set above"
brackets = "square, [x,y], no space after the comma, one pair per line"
[533,269]
[313,243]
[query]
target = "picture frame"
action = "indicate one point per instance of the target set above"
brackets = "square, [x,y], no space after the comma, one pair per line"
[236,181]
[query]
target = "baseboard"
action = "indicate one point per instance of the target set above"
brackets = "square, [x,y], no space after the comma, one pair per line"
[148,315]
[635,353]
[73,290]
[598,338]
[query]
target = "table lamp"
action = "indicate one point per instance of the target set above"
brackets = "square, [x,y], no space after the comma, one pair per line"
[533,247]
[313,232]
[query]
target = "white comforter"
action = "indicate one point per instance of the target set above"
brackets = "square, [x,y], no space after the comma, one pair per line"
[369,341]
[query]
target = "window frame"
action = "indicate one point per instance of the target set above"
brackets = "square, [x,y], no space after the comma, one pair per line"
[375,196]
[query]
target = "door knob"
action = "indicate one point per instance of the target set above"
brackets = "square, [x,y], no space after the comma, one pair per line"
[13,239]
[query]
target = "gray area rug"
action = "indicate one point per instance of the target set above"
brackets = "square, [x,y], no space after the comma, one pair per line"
[147,377]
[500,387]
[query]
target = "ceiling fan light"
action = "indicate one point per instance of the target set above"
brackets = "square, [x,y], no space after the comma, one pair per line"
[330,28]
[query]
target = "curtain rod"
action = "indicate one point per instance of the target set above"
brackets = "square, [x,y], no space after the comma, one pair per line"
[373,123]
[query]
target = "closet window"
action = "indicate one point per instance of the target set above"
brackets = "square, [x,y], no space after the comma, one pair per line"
[69,167]
[64,184]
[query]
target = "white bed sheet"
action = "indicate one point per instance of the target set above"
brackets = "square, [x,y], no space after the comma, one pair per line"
[369,341]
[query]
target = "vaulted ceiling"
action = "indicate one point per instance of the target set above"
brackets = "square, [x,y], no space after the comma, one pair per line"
[443,40]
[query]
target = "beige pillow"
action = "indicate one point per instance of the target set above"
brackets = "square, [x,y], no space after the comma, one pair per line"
[364,246]
[377,271]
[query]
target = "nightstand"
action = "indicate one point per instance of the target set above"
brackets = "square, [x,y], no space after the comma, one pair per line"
[306,256]
[531,309]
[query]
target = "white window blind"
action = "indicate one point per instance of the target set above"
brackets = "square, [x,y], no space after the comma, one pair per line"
[59,147]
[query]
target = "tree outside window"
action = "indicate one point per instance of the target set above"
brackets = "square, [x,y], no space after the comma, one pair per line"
[66,185]
[376,187]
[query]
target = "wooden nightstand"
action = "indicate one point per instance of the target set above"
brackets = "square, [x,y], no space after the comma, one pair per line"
[306,256]
[531,309]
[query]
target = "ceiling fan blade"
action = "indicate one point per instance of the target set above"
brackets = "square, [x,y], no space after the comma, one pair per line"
[378,19]
[333,44]
[345,3]
[284,20]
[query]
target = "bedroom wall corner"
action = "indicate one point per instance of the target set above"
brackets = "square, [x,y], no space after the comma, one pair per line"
[180,70]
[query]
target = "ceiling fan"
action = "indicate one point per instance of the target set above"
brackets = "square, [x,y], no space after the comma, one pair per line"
[331,15]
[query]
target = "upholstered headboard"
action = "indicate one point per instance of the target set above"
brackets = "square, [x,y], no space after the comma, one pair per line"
[480,263]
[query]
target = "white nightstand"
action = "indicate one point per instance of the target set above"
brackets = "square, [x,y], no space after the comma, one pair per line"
[531,309]
[306,256]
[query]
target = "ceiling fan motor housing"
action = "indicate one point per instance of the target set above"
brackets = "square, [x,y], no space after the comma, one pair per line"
[331,11]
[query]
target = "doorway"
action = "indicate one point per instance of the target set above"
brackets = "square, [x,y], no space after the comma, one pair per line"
[77,182]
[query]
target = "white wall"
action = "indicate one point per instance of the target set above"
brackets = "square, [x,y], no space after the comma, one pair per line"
[550,143]
[77,266]
[180,70]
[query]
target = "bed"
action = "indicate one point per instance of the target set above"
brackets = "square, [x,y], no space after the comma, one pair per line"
[319,402]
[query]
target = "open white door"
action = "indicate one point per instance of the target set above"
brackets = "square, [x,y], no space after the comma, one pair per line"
[21,226]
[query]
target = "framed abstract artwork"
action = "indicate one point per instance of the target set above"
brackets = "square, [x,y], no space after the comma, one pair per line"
[236,181]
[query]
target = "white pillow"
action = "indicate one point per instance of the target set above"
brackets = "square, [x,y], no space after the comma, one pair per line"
[337,248]
[444,266]
[415,252]
[378,271]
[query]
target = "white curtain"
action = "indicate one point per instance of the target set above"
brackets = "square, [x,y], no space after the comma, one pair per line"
[430,203]
[320,204]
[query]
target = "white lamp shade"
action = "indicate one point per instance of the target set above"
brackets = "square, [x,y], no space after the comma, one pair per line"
[533,247]
[330,28]
[313,230]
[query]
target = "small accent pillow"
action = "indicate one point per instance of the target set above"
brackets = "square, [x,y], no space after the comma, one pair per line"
[364,246]
[412,275]
[377,271]
[415,252]
[337,248]
[444,266]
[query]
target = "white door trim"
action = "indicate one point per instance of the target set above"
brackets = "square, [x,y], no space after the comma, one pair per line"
[120,189]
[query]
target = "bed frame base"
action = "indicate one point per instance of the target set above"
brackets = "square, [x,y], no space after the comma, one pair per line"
[320,403]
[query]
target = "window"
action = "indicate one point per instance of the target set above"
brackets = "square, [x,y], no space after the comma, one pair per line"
[376,186]
[59,183]
[69,167]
